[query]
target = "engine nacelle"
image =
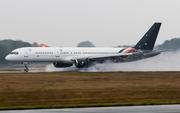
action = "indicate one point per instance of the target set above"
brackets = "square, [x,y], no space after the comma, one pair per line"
[80,63]
[62,64]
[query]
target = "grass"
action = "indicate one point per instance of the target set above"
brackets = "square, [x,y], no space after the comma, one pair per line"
[70,89]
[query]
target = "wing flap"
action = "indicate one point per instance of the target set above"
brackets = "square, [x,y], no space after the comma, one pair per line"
[109,56]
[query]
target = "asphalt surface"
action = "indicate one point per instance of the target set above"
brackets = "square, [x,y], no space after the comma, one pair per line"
[129,109]
[21,71]
[11,72]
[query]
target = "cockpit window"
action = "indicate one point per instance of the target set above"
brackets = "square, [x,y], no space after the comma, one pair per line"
[15,53]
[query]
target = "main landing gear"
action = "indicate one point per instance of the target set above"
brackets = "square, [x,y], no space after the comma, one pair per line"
[25,67]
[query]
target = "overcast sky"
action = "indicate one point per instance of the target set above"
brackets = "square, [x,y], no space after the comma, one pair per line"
[103,22]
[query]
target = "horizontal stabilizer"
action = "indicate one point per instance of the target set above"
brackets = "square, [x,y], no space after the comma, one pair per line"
[150,54]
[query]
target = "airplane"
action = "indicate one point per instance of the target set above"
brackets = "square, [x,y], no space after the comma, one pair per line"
[84,57]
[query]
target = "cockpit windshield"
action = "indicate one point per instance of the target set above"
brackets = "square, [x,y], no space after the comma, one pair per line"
[15,53]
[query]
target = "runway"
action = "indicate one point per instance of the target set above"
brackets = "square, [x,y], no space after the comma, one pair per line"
[21,71]
[11,72]
[129,109]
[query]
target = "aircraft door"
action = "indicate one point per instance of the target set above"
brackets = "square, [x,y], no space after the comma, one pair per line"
[26,54]
[57,54]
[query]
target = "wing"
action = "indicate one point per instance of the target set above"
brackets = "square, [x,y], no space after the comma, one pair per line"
[103,58]
[109,56]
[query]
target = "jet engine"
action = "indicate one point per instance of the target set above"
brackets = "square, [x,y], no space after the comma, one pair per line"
[62,64]
[80,63]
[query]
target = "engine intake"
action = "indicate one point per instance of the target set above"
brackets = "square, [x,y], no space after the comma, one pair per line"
[80,63]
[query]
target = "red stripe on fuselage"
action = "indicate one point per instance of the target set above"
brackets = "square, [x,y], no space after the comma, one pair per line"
[127,51]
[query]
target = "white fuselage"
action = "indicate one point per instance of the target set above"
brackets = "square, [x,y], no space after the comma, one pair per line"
[87,56]
[58,54]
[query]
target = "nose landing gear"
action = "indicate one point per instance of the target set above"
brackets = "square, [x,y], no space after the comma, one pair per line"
[25,67]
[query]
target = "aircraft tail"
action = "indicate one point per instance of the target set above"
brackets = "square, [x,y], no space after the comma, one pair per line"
[148,40]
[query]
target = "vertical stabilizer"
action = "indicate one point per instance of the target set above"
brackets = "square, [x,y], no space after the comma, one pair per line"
[148,40]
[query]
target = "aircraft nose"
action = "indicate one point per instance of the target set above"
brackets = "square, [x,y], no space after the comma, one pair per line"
[7,57]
